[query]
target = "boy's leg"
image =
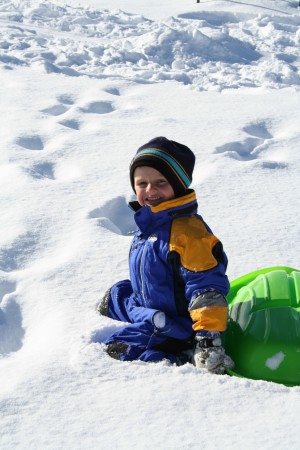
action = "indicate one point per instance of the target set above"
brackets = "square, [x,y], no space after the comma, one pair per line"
[157,355]
[128,343]
[114,301]
[119,303]
[142,341]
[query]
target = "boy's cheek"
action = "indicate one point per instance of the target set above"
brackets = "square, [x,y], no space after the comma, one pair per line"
[140,198]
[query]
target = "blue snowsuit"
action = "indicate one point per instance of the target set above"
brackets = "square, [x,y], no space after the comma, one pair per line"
[174,258]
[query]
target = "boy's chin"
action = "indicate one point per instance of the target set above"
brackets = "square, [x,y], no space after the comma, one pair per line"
[153,203]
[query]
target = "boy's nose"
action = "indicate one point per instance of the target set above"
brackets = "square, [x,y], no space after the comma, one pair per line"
[150,187]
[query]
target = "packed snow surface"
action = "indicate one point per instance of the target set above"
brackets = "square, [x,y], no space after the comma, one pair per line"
[83,85]
[204,49]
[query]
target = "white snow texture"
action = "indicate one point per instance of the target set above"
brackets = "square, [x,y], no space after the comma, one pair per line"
[83,85]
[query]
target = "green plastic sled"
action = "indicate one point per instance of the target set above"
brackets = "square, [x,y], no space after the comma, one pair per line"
[263,333]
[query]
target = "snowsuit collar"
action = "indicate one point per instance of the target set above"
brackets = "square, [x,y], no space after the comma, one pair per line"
[149,218]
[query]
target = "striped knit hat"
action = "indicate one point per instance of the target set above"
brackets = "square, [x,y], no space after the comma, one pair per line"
[173,160]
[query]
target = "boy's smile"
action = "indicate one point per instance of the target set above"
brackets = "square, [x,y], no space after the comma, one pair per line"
[151,186]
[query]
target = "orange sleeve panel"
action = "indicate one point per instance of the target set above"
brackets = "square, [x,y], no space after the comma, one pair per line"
[210,318]
[191,240]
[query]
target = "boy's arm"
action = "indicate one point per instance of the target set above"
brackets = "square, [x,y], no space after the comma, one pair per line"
[209,313]
[202,262]
[206,292]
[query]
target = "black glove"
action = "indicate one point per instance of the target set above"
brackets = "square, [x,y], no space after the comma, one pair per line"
[209,353]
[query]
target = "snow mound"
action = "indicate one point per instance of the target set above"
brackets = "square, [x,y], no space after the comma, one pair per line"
[207,50]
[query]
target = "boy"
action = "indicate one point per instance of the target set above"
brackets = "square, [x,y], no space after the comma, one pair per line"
[175,298]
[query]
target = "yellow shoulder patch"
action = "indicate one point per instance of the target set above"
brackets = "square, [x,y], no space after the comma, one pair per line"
[194,243]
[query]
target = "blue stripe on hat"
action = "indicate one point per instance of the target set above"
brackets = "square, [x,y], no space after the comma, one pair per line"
[173,163]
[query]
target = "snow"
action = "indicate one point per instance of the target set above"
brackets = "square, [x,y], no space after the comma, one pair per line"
[83,85]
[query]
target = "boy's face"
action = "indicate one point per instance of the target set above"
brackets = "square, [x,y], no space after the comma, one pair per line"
[151,186]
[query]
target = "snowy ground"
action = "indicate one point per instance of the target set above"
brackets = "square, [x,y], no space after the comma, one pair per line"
[82,88]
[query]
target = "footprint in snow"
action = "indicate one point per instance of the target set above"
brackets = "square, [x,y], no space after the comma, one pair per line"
[65,102]
[70,123]
[251,147]
[42,170]
[6,286]
[65,99]
[273,165]
[30,142]
[115,215]
[258,130]
[15,256]
[242,150]
[11,330]
[99,107]
[55,110]
[112,91]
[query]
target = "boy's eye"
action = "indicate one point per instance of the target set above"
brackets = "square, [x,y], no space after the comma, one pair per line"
[141,184]
[161,182]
